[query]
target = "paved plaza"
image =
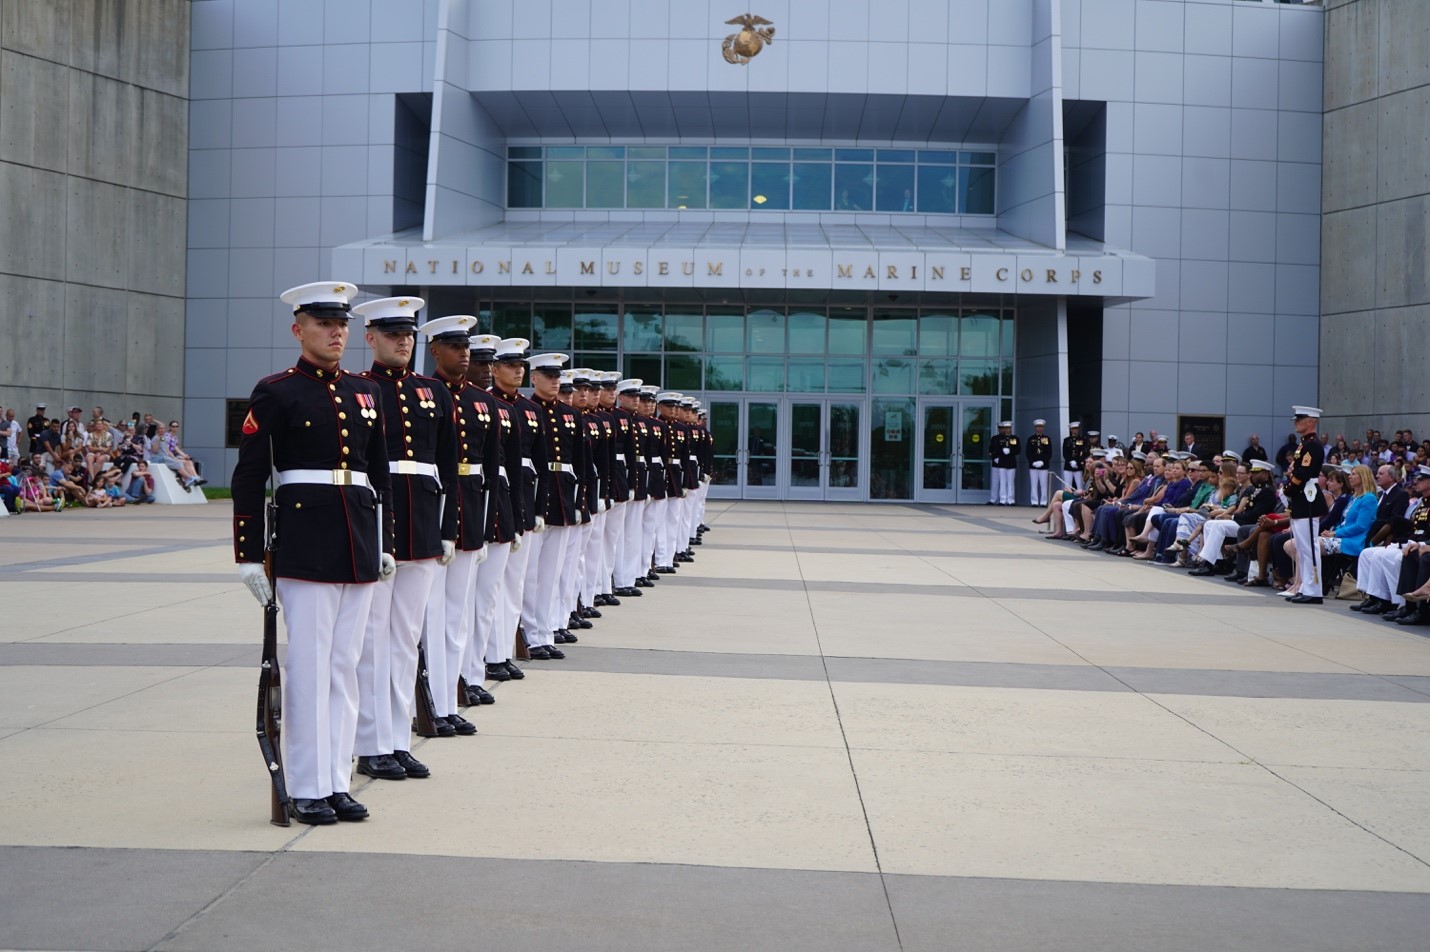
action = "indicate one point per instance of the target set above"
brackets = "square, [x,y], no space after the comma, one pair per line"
[845,727]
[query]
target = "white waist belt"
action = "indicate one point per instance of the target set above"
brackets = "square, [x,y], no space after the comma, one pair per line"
[502,471]
[409,467]
[561,467]
[621,457]
[526,461]
[323,477]
[469,469]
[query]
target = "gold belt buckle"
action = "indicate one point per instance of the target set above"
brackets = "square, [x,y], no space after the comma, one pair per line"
[407,467]
[464,469]
[342,477]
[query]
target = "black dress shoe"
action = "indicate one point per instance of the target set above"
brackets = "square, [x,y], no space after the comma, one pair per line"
[577,621]
[312,812]
[442,728]
[703,528]
[554,654]
[652,576]
[665,569]
[589,613]
[1367,603]
[516,673]
[383,767]
[1236,577]
[1416,616]
[629,592]
[461,725]
[1305,600]
[540,653]
[1201,571]
[498,672]
[697,541]
[347,809]
[612,601]
[415,768]
[479,695]
[1396,613]
[564,637]
[642,582]
[1380,607]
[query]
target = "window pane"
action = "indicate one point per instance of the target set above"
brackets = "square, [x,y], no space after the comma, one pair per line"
[576,152]
[806,375]
[980,336]
[687,184]
[682,372]
[645,184]
[891,449]
[812,155]
[605,185]
[595,329]
[766,373]
[645,367]
[684,332]
[1008,339]
[641,330]
[512,320]
[646,152]
[770,155]
[594,361]
[523,152]
[812,185]
[854,155]
[551,328]
[728,152]
[848,328]
[893,376]
[729,185]
[767,332]
[605,152]
[896,188]
[853,188]
[724,373]
[894,333]
[806,332]
[689,152]
[896,155]
[938,335]
[726,333]
[523,185]
[978,377]
[936,377]
[564,184]
[1008,385]
[977,191]
[937,184]
[769,185]
[937,157]
[980,158]
[846,376]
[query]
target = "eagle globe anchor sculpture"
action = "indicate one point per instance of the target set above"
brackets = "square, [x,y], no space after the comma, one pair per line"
[740,48]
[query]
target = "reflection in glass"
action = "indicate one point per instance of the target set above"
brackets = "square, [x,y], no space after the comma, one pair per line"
[593,360]
[894,333]
[977,431]
[551,328]
[978,192]
[641,329]
[687,185]
[938,334]
[846,376]
[938,448]
[725,436]
[512,320]
[805,445]
[767,331]
[937,184]
[978,377]
[848,330]
[725,332]
[894,376]
[721,373]
[606,185]
[564,184]
[761,443]
[980,336]
[806,375]
[765,373]
[806,332]
[729,185]
[813,185]
[595,330]
[684,331]
[643,366]
[843,445]
[645,184]
[523,185]
[891,449]
[936,377]
[682,372]
[896,188]
[769,185]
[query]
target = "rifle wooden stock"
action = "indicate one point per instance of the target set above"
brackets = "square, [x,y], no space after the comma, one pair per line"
[270,697]
[462,692]
[425,725]
[519,651]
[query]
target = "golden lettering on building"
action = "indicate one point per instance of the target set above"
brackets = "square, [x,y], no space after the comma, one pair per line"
[503,267]
[638,268]
[1001,274]
[526,268]
[411,268]
[454,266]
[550,266]
[588,267]
[662,267]
[389,266]
[687,268]
[477,267]
[893,272]
[869,273]
[432,265]
[965,274]
[1097,277]
[613,267]
[1026,274]
[1052,277]
[846,270]
[715,269]
[1074,275]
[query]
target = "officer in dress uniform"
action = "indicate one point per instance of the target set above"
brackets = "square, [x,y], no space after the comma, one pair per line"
[620,487]
[450,610]
[486,646]
[542,612]
[1004,450]
[1307,504]
[422,459]
[321,430]
[573,578]
[596,476]
[629,575]
[523,451]
[657,485]
[666,554]
[694,478]
[1040,457]
[1075,450]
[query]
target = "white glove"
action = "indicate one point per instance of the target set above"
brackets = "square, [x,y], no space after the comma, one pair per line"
[516,543]
[449,552]
[482,554]
[387,568]
[540,525]
[631,497]
[1037,464]
[252,575]
[602,506]
[705,479]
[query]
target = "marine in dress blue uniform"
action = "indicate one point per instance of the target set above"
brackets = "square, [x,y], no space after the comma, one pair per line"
[422,459]
[318,431]
[1040,457]
[1307,504]
[629,571]
[523,452]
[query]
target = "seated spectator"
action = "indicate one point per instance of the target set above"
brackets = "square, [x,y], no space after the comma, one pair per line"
[164,450]
[140,485]
[1387,573]
[100,450]
[72,482]
[1257,499]
[1181,485]
[1110,481]
[51,446]
[1055,508]
[1106,528]
[34,492]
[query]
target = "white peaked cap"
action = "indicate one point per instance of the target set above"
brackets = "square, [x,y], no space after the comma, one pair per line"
[513,347]
[333,294]
[400,312]
[449,329]
[632,385]
[547,360]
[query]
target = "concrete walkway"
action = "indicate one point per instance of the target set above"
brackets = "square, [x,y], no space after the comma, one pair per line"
[844,728]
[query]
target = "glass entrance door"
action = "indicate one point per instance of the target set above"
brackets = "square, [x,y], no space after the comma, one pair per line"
[953,451]
[825,461]
[760,472]
[724,417]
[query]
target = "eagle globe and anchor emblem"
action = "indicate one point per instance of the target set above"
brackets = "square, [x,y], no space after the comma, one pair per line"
[740,48]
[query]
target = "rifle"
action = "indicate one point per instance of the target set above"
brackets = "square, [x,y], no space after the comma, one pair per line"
[270,689]
[425,724]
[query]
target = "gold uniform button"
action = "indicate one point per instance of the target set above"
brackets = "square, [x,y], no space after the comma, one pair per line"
[401,396]
[332,386]
[347,450]
[406,409]
[410,453]
[464,433]
[342,416]
[464,446]
[297,505]
[408,438]
[344,464]
[337,399]
[242,539]
[307,422]
[345,432]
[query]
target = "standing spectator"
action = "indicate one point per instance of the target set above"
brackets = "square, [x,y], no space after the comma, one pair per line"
[1254,450]
[10,436]
[36,425]
[1284,454]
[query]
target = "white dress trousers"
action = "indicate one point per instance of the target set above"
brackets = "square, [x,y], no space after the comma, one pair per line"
[387,670]
[632,544]
[448,628]
[486,599]
[1214,533]
[1038,486]
[1308,556]
[324,623]
[513,586]
[1378,572]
